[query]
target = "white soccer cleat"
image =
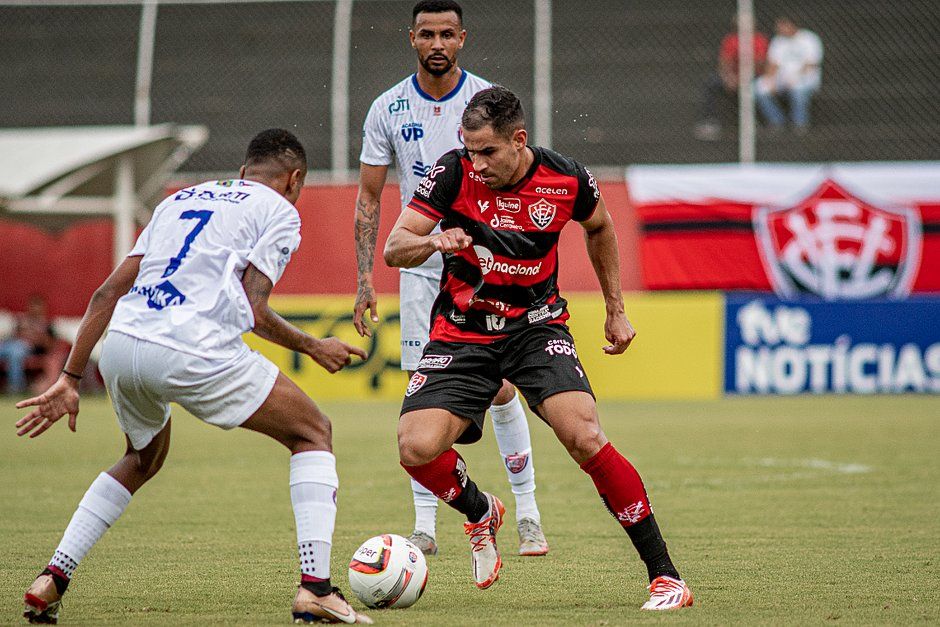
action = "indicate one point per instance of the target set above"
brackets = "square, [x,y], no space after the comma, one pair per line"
[423,541]
[484,555]
[667,593]
[532,541]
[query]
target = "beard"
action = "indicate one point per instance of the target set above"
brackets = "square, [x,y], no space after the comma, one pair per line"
[439,70]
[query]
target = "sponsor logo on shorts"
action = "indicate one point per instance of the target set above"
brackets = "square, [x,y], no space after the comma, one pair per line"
[560,347]
[435,362]
[517,462]
[542,313]
[416,383]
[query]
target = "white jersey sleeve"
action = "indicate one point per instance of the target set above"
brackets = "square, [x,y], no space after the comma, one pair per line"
[377,147]
[279,240]
[143,240]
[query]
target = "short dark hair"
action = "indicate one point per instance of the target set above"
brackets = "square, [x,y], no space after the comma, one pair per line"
[497,107]
[276,145]
[436,6]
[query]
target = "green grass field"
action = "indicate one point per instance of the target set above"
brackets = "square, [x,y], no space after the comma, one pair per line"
[794,510]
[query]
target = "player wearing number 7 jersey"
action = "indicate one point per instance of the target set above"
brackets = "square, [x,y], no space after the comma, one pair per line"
[198,278]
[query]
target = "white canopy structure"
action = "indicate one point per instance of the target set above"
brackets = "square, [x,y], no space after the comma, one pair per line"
[56,175]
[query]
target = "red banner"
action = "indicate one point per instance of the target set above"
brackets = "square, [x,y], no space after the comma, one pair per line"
[849,231]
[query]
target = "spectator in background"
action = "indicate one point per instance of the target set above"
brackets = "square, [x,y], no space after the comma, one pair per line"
[722,86]
[794,71]
[33,336]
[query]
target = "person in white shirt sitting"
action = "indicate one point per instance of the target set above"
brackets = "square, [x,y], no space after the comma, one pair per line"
[794,71]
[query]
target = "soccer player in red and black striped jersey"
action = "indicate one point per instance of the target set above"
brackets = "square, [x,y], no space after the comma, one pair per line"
[501,205]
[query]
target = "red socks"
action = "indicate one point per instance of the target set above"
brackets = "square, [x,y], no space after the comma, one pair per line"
[619,485]
[446,477]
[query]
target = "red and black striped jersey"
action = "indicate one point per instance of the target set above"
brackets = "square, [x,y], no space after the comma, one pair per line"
[507,280]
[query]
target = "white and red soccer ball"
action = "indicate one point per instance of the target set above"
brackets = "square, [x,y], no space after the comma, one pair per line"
[388,571]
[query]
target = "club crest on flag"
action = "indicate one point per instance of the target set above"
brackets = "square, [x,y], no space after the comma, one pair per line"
[542,213]
[838,246]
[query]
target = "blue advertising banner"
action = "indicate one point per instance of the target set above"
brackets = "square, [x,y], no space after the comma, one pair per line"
[795,347]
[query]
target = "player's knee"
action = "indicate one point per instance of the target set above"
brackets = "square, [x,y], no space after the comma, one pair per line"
[414,450]
[585,439]
[147,466]
[315,429]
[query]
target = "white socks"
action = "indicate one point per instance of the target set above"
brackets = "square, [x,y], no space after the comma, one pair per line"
[313,486]
[515,446]
[425,509]
[512,435]
[102,505]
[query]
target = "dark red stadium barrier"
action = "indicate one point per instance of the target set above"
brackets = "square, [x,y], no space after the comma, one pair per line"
[66,267]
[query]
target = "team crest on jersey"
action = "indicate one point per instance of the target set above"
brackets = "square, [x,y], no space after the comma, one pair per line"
[517,462]
[839,247]
[417,382]
[542,213]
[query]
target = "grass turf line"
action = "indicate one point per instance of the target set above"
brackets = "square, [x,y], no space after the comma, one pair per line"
[776,510]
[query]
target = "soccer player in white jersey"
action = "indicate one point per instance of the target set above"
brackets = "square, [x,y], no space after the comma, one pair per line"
[414,123]
[197,279]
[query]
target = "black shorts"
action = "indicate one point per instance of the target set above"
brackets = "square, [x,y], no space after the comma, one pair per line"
[464,378]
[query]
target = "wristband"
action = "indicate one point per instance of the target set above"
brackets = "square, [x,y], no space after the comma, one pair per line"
[77,377]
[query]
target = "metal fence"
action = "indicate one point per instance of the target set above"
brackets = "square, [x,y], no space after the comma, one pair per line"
[609,82]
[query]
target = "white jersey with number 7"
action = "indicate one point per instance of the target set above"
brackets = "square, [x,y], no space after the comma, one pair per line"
[188,294]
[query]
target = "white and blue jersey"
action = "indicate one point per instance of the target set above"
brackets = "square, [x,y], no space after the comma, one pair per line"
[188,294]
[408,126]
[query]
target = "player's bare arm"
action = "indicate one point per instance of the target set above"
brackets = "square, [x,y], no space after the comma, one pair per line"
[410,243]
[331,353]
[62,396]
[600,237]
[368,209]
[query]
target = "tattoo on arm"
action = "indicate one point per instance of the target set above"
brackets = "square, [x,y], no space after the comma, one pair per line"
[367,234]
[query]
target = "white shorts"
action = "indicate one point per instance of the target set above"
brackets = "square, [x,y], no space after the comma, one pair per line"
[143,378]
[417,294]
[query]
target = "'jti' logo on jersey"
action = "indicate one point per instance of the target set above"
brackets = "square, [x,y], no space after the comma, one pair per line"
[399,106]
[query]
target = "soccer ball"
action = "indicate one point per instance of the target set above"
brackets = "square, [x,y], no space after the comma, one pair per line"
[388,571]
